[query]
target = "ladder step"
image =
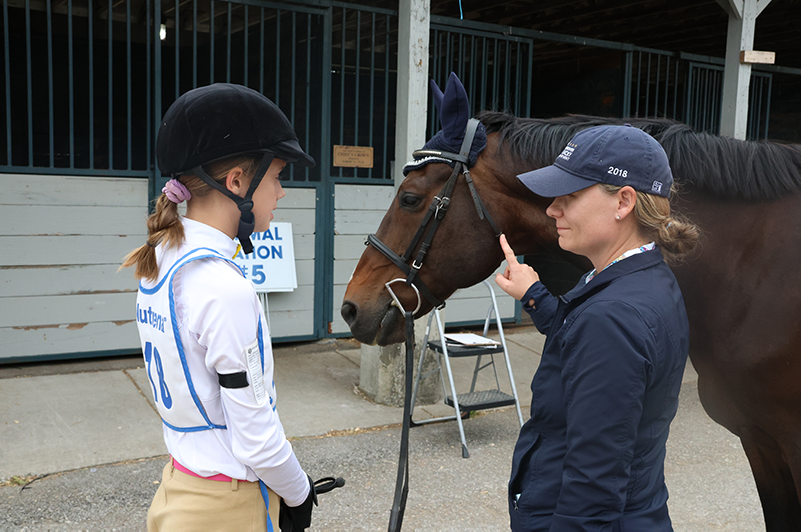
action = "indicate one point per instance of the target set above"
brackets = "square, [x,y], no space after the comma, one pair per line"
[465,350]
[481,400]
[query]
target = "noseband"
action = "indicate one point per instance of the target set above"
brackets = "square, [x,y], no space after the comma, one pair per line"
[436,211]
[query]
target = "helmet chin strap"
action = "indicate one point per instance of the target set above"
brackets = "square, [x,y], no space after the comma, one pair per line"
[247,221]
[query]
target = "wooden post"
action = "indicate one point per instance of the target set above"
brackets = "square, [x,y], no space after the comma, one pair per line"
[737,76]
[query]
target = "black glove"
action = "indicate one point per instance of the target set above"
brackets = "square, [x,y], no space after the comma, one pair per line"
[298,518]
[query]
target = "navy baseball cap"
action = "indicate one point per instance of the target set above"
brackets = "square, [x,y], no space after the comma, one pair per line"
[616,155]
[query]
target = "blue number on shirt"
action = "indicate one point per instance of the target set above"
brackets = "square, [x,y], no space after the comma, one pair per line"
[166,397]
[148,356]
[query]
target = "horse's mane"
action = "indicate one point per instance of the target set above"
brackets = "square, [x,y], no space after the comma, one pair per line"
[752,170]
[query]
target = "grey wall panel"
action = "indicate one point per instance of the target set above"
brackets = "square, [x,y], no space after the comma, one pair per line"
[59,289]
[363,197]
[71,220]
[292,313]
[24,189]
[302,298]
[67,250]
[64,280]
[287,323]
[85,338]
[359,210]
[70,310]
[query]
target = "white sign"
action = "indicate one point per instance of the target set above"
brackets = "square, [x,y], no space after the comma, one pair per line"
[271,266]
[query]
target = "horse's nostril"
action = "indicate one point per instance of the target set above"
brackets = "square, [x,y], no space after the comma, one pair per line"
[349,312]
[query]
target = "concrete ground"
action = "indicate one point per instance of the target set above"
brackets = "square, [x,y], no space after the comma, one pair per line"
[82,448]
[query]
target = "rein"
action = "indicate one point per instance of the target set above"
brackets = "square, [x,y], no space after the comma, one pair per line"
[436,211]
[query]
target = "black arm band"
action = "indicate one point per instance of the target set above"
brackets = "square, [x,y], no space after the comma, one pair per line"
[233,380]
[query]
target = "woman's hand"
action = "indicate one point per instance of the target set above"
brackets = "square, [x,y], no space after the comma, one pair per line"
[517,278]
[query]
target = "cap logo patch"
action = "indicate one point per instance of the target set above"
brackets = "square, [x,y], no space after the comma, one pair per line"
[656,187]
[567,152]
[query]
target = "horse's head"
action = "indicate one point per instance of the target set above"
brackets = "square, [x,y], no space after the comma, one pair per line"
[463,249]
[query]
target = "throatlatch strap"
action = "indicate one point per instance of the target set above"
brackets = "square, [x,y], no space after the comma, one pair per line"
[233,380]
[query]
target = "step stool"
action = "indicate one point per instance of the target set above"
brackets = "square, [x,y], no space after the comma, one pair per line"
[473,400]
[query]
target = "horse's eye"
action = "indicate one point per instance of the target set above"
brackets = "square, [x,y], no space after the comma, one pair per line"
[409,201]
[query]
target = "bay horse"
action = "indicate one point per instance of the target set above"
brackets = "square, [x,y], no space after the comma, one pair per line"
[742,287]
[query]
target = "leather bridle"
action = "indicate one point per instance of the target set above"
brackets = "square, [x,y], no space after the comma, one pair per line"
[436,211]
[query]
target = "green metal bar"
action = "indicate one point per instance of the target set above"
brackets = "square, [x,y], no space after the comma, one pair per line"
[460,54]
[667,85]
[507,75]
[306,170]
[656,85]
[342,85]
[51,120]
[484,52]
[194,44]
[177,50]
[110,86]
[228,48]
[629,65]
[436,48]
[212,17]
[277,57]
[261,50]
[448,58]
[473,75]
[157,84]
[129,132]
[648,86]
[246,56]
[518,306]
[387,173]
[767,105]
[639,72]
[292,98]
[496,81]
[149,127]
[324,213]
[518,92]
[358,76]
[7,57]
[30,80]
[372,85]
[676,91]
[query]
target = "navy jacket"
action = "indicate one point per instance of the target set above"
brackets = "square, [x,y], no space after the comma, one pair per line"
[592,455]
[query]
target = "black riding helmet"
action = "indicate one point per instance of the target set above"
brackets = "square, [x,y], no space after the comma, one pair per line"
[213,122]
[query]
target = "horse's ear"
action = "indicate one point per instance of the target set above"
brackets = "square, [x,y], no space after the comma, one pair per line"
[437,94]
[453,107]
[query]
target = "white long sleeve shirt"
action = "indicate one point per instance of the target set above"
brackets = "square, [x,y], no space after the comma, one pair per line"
[218,317]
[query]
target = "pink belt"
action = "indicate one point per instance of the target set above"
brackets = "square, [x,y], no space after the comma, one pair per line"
[219,476]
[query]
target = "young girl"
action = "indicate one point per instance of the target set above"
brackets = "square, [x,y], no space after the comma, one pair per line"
[204,335]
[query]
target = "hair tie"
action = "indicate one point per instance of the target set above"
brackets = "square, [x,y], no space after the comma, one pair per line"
[176,192]
[149,244]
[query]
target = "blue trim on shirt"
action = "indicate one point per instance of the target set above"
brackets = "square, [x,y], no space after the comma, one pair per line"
[151,291]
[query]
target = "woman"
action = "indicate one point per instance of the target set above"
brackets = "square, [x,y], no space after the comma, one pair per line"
[204,335]
[592,455]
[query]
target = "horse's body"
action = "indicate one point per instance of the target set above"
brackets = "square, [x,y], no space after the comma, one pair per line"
[742,288]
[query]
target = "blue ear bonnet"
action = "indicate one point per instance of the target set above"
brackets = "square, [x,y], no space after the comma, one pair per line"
[454,112]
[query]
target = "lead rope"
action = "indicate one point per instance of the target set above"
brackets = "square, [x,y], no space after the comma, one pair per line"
[402,482]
